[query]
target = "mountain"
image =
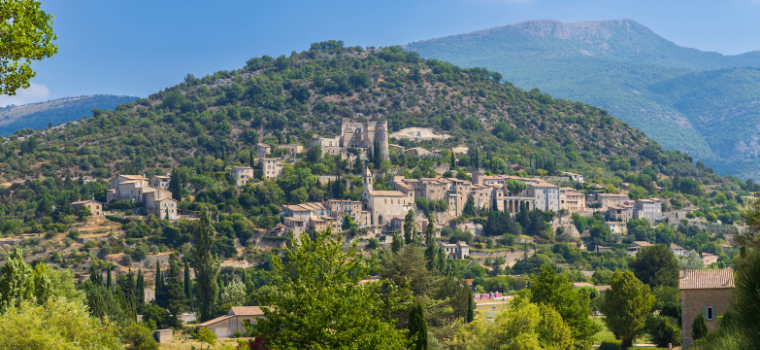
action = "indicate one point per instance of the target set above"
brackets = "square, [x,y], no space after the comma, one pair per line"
[703,103]
[60,111]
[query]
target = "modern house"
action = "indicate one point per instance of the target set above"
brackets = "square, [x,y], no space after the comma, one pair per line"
[459,250]
[233,321]
[704,291]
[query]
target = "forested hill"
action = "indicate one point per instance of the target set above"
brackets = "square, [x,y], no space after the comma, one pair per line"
[61,111]
[311,92]
[699,102]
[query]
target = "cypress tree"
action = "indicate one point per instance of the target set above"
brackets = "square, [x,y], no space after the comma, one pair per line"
[206,266]
[470,307]
[140,289]
[159,280]
[453,160]
[109,283]
[187,282]
[418,327]
[378,154]
[699,327]
[250,161]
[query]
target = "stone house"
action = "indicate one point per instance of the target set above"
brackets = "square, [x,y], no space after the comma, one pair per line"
[678,250]
[636,246]
[160,203]
[384,205]
[606,200]
[233,321]
[459,250]
[271,168]
[127,188]
[616,227]
[292,149]
[262,150]
[650,209]
[242,175]
[620,212]
[704,291]
[546,196]
[571,200]
[96,208]
[160,182]
[575,177]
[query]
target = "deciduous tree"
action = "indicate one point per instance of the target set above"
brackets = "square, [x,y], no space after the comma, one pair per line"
[627,304]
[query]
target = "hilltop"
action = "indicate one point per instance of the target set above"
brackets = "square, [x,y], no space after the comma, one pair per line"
[624,67]
[61,111]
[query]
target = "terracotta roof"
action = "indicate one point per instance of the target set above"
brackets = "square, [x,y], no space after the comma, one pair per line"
[676,247]
[84,202]
[642,243]
[246,311]
[263,145]
[214,321]
[388,193]
[706,279]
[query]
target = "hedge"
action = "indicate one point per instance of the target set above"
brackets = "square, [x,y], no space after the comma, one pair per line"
[610,345]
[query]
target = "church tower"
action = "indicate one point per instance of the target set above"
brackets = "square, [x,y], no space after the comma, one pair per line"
[367,183]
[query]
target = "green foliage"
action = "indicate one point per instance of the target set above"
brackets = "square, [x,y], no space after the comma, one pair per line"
[418,330]
[656,266]
[206,266]
[319,272]
[663,330]
[138,338]
[610,345]
[552,289]
[627,304]
[205,336]
[699,327]
[28,35]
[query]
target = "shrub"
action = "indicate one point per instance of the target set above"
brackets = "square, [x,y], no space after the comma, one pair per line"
[610,345]
[126,260]
[74,233]
[663,330]
[238,334]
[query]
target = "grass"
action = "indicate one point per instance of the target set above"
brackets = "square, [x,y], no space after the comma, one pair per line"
[604,334]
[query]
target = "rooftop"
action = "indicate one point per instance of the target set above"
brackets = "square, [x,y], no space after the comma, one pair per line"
[706,279]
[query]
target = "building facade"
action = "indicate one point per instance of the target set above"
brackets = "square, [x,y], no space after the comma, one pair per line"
[704,291]
[242,175]
[271,168]
[95,207]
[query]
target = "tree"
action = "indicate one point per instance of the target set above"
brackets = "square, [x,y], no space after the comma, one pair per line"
[16,282]
[57,324]
[318,283]
[409,227]
[138,338]
[233,294]
[175,185]
[206,265]
[555,290]
[188,283]
[140,286]
[470,307]
[469,208]
[746,306]
[699,327]
[174,291]
[84,212]
[158,282]
[205,336]
[692,261]
[627,304]
[102,303]
[397,242]
[663,330]
[26,34]
[431,248]
[453,160]
[418,327]
[656,266]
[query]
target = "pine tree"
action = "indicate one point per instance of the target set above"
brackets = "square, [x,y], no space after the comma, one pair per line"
[418,332]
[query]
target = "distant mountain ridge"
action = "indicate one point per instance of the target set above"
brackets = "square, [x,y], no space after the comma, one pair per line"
[704,103]
[38,115]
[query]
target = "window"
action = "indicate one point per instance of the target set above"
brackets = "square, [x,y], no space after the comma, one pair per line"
[710,313]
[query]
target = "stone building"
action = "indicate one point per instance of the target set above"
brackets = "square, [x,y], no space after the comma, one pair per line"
[262,150]
[160,182]
[620,212]
[363,135]
[271,168]
[571,200]
[233,321]
[650,209]
[606,200]
[292,149]
[160,203]
[127,188]
[384,205]
[704,291]
[459,250]
[95,207]
[546,196]
[242,175]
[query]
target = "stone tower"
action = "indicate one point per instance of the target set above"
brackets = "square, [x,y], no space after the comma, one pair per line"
[477,176]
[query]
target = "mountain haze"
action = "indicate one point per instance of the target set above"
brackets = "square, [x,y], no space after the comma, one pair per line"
[699,102]
[39,115]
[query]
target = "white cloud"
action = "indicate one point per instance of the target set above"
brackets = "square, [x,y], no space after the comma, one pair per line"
[35,93]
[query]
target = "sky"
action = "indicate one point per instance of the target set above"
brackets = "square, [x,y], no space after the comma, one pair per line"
[138,47]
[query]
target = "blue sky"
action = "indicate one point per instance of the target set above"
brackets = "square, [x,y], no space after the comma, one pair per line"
[137,47]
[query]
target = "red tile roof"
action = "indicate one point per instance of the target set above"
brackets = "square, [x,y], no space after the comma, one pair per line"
[706,279]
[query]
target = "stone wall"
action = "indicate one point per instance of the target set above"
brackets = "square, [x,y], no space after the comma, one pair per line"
[692,302]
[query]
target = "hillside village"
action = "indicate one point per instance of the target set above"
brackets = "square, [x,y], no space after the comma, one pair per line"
[468,201]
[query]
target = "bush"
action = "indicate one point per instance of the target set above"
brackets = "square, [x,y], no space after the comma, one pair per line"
[74,234]
[663,330]
[126,260]
[610,345]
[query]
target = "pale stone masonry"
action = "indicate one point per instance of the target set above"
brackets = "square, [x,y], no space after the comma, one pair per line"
[606,200]
[704,291]
[160,182]
[96,208]
[650,209]
[571,200]
[384,205]
[134,188]
[459,250]
[546,196]
[271,168]
[233,321]
[262,150]
[292,149]
[242,175]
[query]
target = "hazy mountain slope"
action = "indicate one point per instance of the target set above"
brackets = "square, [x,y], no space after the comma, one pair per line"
[622,66]
[61,111]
